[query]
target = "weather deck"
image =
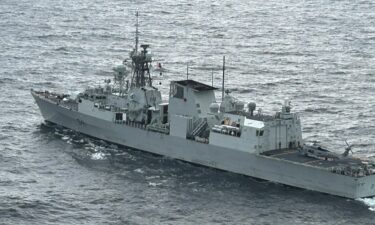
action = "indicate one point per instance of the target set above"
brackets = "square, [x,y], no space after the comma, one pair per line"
[57,99]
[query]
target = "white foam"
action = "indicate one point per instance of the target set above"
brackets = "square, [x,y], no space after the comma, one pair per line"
[139,170]
[65,138]
[98,156]
[153,184]
[370,202]
[59,134]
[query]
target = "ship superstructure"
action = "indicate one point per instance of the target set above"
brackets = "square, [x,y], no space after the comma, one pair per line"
[193,126]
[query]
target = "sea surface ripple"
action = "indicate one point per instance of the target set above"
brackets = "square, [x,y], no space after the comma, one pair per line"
[319,54]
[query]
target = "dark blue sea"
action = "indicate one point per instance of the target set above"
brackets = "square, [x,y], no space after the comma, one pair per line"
[319,54]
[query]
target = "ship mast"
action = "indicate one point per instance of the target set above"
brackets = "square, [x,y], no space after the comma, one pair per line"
[141,63]
[136,33]
[223,84]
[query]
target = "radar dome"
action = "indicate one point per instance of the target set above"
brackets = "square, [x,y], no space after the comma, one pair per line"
[251,106]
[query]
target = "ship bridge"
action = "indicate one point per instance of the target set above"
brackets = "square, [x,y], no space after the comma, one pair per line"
[190,98]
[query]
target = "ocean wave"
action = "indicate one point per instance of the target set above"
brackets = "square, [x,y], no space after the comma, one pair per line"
[6,80]
[62,49]
[322,110]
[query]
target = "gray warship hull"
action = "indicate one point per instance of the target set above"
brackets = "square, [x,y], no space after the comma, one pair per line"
[284,166]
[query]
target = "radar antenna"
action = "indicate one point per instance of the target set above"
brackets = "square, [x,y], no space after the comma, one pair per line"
[136,33]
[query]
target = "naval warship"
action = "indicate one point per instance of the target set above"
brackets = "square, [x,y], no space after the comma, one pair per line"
[194,126]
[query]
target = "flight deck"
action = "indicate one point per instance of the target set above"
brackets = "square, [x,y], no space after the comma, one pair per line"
[349,166]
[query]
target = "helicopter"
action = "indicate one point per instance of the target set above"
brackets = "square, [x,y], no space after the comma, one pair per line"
[315,150]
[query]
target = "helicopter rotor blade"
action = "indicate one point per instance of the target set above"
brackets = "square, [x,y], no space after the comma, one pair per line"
[347,143]
[349,148]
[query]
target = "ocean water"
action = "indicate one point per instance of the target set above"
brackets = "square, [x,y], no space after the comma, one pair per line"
[319,54]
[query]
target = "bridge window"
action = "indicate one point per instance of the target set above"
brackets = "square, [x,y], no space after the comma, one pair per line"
[118,116]
[259,132]
[177,91]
